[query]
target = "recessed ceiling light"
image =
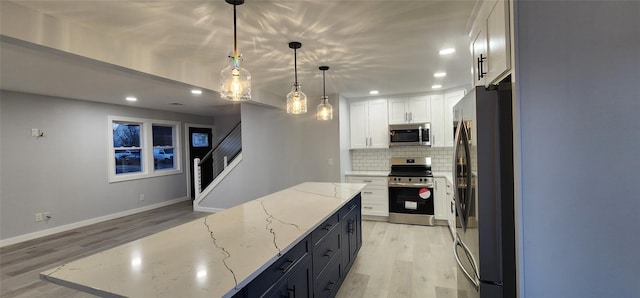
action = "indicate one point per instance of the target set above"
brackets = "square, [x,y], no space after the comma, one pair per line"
[196,91]
[131,98]
[374,92]
[440,74]
[436,86]
[447,51]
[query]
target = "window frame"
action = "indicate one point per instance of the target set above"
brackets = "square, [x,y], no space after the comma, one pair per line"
[146,149]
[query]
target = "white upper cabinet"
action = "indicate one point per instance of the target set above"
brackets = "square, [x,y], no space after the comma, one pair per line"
[490,43]
[368,124]
[437,121]
[442,118]
[410,110]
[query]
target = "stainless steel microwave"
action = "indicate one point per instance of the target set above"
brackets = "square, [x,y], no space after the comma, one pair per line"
[414,134]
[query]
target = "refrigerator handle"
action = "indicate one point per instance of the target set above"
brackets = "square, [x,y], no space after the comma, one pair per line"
[473,279]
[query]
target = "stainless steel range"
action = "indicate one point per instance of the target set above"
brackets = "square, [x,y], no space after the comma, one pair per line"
[411,191]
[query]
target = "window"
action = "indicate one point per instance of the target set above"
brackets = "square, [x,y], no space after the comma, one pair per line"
[163,147]
[142,148]
[127,148]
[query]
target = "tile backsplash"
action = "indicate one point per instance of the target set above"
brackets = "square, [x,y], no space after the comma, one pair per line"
[378,159]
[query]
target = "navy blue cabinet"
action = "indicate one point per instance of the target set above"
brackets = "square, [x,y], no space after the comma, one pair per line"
[317,265]
[351,219]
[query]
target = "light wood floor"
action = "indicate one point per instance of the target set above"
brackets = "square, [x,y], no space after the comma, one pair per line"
[395,260]
[399,260]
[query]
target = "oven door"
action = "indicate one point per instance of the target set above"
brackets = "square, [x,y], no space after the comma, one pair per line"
[411,200]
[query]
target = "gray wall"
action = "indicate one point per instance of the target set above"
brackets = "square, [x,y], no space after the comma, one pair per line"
[65,172]
[278,151]
[578,78]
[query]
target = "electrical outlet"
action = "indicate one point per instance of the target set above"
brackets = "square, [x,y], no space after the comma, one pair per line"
[35,132]
[330,161]
[141,197]
[39,216]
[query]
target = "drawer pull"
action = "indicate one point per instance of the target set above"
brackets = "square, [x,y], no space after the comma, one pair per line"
[367,192]
[287,266]
[329,287]
[367,181]
[327,227]
[367,207]
[329,252]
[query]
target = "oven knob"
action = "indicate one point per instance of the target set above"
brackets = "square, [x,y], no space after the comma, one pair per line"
[420,179]
[409,179]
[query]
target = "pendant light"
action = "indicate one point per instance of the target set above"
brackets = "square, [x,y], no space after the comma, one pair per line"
[296,99]
[325,110]
[235,81]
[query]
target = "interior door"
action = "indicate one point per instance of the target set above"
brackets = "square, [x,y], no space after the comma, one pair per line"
[200,143]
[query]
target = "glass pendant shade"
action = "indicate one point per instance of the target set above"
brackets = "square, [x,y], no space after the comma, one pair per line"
[325,110]
[296,101]
[235,82]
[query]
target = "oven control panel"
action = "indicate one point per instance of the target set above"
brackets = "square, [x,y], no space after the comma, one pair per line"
[411,181]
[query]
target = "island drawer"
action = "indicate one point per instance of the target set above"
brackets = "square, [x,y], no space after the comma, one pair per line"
[327,284]
[326,250]
[324,228]
[286,263]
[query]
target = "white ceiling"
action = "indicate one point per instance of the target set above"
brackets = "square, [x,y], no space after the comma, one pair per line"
[390,46]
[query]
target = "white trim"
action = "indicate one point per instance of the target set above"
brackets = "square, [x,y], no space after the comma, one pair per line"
[205,192]
[207,209]
[187,155]
[146,144]
[75,225]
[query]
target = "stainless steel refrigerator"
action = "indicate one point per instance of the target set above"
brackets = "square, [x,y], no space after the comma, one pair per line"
[484,194]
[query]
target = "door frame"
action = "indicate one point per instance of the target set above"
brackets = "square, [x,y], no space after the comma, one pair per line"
[188,159]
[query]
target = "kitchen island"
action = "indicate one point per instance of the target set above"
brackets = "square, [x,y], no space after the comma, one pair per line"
[259,247]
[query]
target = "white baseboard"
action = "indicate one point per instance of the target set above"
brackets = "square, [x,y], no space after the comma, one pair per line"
[207,209]
[75,225]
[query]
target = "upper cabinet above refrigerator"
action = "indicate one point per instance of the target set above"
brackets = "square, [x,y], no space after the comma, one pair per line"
[491,43]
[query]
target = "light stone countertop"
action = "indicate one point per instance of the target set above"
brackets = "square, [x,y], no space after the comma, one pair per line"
[214,256]
[447,175]
[368,173]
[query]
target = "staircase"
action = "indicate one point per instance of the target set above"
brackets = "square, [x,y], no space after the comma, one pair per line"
[225,156]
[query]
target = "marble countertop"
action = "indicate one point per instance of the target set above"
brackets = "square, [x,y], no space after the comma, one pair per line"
[447,175]
[210,257]
[368,173]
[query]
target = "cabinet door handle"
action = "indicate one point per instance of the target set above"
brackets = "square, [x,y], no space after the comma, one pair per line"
[328,253]
[329,287]
[287,266]
[405,116]
[481,72]
[351,227]
[291,292]
[410,116]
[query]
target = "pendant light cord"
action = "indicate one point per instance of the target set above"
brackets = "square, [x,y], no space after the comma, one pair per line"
[236,56]
[324,93]
[295,68]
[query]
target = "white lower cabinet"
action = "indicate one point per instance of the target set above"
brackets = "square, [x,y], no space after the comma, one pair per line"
[444,207]
[451,213]
[440,201]
[375,196]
